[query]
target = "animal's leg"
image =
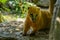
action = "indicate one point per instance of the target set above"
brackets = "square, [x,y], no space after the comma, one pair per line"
[35,29]
[26,28]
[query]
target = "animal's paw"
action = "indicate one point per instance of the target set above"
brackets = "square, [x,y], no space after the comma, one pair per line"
[32,34]
[24,34]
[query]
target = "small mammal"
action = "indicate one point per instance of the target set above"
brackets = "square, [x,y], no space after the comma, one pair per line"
[38,18]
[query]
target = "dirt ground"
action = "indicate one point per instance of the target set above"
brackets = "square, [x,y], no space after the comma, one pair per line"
[13,31]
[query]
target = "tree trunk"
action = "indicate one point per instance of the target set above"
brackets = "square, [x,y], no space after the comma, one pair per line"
[55,24]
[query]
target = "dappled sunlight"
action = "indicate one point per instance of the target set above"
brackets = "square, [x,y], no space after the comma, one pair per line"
[12,18]
[20,19]
[58,19]
[9,18]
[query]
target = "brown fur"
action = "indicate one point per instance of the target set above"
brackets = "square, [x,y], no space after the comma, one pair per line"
[37,18]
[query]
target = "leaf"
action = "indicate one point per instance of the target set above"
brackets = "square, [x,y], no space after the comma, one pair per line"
[3,1]
[6,9]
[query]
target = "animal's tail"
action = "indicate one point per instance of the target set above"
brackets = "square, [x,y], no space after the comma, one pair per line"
[51,5]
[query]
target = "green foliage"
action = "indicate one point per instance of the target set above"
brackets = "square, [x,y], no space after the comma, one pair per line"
[24,8]
[6,9]
[14,7]
[1,17]
[3,1]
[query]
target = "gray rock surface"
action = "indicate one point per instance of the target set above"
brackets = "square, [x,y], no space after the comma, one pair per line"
[11,30]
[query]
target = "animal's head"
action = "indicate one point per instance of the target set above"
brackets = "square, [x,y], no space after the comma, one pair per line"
[33,12]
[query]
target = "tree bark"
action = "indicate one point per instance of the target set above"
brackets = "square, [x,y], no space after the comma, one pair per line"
[55,23]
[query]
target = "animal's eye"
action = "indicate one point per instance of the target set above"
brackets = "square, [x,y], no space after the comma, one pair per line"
[36,14]
[31,14]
